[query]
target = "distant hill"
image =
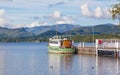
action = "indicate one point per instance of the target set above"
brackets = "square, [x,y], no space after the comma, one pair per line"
[64,27]
[61,30]
[107,28]
[50,33]
[38,29]
[14,33]
[98,29]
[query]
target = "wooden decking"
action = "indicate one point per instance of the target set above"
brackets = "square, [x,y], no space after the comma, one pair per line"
[102,47]
[86,50]
[100,52]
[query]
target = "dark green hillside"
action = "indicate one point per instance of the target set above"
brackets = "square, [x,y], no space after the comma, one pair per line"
[80,33]
[98,29]
[89,38]
[14,33]
[50,33]
[60,28]
[107,29]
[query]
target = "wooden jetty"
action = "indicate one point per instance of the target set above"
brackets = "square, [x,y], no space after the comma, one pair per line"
[86,50]
[110,47]
[83,49]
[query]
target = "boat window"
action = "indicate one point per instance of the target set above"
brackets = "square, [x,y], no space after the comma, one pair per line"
[56,37]
[54,42]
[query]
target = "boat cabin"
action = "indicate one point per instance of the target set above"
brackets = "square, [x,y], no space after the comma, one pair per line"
[58,41]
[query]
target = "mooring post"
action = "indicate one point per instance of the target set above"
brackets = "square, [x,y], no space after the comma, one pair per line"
[96,46]
[83,44]
[117,52]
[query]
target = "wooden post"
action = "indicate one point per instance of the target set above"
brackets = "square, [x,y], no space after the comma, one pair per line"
[117,52]
[96,46]
[80,44]
[83,44]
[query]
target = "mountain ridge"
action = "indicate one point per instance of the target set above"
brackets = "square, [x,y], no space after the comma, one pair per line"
[61,29]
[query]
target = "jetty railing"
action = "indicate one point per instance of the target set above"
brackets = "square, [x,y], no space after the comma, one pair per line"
[84,44]
[108,45]
[86,48]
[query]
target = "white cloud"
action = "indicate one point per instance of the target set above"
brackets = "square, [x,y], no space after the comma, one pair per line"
[85,10]
[3,21]
[65,20]
[56,14]
[2,12]
[106,13]
[16,26]
[58,18]
[33,24]
[98,12]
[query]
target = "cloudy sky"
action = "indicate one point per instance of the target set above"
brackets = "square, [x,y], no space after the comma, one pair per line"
[30,13]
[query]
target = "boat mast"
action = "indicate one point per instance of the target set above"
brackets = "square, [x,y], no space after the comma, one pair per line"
[70,34]
[56,30]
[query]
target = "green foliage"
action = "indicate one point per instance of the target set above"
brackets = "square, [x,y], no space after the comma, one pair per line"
[115,11]
[82,34]
[76,38]
[98,29]
[89,38]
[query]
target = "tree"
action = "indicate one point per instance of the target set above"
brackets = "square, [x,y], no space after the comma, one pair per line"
[115,11]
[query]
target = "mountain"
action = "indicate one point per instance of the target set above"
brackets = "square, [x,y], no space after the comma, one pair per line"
[107,28]
[98,29]
[64,27]
[60,28]
[38,29]
[50,33]
[14,33]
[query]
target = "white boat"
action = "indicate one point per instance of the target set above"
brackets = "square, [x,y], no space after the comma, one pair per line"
[60,45]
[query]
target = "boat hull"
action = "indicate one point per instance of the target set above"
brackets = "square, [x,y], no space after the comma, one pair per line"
[56,49]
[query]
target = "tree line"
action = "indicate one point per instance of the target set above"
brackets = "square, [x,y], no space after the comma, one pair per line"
[76,38]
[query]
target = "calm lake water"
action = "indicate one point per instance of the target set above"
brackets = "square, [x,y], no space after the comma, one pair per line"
[34,59]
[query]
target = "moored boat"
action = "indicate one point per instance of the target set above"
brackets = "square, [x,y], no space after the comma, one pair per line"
[60,45]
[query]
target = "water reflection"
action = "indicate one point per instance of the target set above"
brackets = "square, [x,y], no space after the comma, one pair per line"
[2,53]
[87,64]
[60,64]
[23,63]
[33,59]
[108,66]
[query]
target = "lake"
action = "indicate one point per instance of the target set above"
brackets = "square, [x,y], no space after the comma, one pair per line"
[34,59]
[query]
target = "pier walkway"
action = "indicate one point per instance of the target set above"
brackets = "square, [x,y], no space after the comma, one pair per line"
[102,47]
[109,46]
